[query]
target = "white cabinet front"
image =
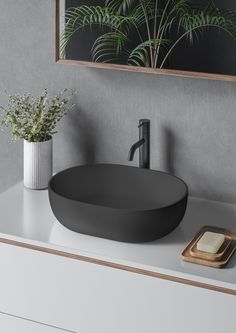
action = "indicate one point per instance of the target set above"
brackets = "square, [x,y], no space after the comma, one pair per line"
[88,298]
[11,324]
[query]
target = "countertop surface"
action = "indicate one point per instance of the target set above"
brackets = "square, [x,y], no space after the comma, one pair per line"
[26,216]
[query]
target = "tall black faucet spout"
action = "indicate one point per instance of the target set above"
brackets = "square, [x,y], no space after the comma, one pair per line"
[143,144]
[133,149]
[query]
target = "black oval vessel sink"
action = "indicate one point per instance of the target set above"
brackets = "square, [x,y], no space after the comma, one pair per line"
[118,202]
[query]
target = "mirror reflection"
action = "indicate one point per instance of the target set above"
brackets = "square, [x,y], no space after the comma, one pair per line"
[197,36]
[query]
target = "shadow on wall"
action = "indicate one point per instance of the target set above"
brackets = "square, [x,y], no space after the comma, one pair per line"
[201,179]
[11,161]
[169,142]
[83,137]
[77,136]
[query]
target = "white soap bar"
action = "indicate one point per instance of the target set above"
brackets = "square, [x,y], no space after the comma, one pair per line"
[210,242]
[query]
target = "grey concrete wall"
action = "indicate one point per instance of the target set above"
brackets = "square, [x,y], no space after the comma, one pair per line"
[192,121]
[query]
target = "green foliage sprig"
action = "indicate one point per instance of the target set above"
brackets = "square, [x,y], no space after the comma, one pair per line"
[34,119]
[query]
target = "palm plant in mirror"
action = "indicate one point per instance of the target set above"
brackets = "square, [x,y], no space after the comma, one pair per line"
[145,32]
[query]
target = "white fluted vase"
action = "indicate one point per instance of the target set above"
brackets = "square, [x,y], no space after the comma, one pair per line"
[37,164]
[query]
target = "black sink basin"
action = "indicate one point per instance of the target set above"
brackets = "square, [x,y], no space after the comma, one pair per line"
[118,202]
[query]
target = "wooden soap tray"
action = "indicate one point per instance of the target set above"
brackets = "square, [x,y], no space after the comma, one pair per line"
[218,260]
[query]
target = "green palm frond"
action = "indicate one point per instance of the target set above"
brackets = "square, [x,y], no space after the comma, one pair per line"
[121,6]
[80,17]
[194,22]
[179,6]
[110,47]
[143,10]
[171,13]
[140,55]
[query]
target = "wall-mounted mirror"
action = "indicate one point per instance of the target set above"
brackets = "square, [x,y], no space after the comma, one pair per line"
[178,37]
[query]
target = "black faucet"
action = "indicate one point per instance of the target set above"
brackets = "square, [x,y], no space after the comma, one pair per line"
[143,144]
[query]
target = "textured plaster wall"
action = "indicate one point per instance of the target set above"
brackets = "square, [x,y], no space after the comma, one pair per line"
[192,121]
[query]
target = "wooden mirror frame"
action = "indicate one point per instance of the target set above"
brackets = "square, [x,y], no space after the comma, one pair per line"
[181,73]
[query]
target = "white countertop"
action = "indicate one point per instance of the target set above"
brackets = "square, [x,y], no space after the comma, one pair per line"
[26,216]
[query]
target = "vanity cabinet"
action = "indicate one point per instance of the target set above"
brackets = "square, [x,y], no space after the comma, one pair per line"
[83,297]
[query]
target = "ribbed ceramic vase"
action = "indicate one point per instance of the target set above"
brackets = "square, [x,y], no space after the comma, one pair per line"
[37,164]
